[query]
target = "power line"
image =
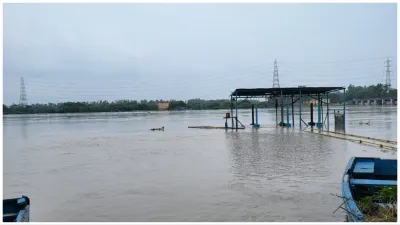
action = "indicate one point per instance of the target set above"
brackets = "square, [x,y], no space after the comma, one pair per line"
[117,88]
[364,65]
[347,61]
[43,90]
[126,84]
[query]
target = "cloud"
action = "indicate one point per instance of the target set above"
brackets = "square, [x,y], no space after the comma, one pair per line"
[163,50]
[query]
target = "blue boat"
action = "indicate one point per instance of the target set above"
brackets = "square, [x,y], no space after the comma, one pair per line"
[16,209]
[363,177]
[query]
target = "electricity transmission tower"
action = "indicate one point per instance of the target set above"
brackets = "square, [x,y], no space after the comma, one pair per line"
[388,84]
[22,94]
[276,77]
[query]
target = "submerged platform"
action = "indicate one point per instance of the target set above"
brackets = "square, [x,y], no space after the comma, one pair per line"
[215,127]
[268,127]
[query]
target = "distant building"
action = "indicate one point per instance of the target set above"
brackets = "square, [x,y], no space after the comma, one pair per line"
[314,101]
[162,105]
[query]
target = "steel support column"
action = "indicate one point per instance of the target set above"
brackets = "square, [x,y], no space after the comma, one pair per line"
[281,109]
[292,112]
[300,103]
[232,111]
[312,114]
[327,108]
[319,112]
[276,111]
[256,125]
[287,114]
[322,114]
[236,113]
[252,114]
[344,109]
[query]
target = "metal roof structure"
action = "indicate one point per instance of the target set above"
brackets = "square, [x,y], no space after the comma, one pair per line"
[288,91]
[287,96]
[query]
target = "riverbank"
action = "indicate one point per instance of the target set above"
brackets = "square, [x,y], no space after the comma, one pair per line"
[305,108]
[30,110]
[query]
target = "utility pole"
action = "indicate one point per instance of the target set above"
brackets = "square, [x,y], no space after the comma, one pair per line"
[276,77]
[22,94]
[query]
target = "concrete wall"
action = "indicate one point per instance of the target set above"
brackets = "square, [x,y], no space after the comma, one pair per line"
[375,102]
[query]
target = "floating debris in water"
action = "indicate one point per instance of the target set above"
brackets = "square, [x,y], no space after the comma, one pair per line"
[158,129]
[361,123]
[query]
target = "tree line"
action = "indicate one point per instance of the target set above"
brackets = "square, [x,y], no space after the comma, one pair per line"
[364,92]
[372,91]
[122,106]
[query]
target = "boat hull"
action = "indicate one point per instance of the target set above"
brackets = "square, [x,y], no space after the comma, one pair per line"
[16,209]
[365,174]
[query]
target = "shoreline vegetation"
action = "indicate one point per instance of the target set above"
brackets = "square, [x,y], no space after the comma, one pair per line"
[381,207]
[372,91]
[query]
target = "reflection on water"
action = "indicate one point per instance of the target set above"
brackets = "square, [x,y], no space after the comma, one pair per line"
[24,124]
[112,166]
[278,169]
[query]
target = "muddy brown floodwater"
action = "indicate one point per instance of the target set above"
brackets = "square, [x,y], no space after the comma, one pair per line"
[110,167]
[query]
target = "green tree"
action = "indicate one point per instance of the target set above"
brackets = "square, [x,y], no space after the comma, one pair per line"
[176,104]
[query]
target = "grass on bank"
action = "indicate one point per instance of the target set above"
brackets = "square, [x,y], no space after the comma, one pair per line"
[381,207]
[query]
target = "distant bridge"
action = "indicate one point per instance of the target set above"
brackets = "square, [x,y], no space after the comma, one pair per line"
[374,101]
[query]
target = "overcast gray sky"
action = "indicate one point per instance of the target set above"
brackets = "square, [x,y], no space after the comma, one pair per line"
[84,52]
